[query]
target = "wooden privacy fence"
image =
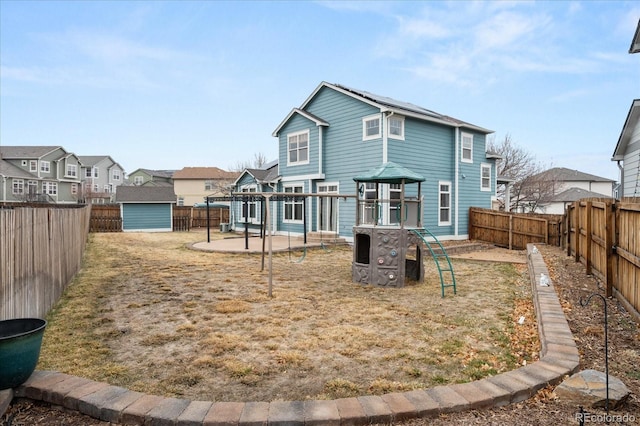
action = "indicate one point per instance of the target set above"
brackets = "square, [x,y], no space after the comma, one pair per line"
[514,230]
[41,249]
[604,235]
[107,218]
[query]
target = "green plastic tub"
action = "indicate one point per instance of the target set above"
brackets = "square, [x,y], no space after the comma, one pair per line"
[20,342]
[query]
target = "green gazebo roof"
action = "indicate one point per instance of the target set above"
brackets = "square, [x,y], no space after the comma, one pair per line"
[390,173]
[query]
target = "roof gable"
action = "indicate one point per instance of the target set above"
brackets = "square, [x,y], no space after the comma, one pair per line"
[635,42]
[389,104]
[633,120]
[318,121]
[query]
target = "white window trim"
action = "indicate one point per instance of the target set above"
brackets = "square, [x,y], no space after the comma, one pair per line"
[284,204]
[33,166]
[17,186]
[482,167]
[391,136]
[440,192]
[72,170]
[462,149]
[250,189]
[364,127]
[45,166]
[298,163]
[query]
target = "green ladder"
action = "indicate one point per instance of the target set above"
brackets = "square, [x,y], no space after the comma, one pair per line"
[445,269]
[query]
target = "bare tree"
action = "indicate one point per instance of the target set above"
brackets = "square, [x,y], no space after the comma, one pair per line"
[259,159]
[530,186]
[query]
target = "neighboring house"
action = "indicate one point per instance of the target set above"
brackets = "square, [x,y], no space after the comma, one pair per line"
[193,184]
[100,177]
[250,181]
[564,186]
[627,151]
[39,174]
[141,177]
[339,133]
[146,208]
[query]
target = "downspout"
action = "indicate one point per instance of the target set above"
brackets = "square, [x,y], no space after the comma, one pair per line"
[457,180]
[621,171]
[320,168]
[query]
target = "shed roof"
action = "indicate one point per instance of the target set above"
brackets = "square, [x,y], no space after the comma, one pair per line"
[390,173]
[145,194]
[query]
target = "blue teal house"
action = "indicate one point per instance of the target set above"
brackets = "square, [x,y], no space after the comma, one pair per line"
[339,133]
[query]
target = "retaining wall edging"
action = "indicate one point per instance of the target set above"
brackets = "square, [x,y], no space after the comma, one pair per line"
[558,357]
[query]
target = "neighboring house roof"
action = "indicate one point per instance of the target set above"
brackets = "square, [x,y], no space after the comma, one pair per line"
[633,120]
[574,194]
[388,104]
[204,173]
[268,173]
[167,174]
[8,169]
[390,173]
[17,152]
[145,194]
[635,42]
[564,174]
[92,160]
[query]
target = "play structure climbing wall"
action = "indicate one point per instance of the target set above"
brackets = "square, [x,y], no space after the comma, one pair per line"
[386,256]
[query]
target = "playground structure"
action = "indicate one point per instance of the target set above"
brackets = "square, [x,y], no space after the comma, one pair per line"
[388,233]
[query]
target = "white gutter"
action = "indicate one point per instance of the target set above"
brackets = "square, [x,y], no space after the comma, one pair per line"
[457,180]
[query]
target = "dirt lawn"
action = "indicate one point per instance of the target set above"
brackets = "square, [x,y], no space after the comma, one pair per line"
[568,276]
[151,315]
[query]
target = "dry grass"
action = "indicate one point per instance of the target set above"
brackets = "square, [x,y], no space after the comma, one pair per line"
[151,315]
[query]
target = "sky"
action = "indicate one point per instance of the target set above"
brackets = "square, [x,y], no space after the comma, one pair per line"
[171,84]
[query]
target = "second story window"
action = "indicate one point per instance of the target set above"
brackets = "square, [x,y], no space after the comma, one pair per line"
[371,127]
[116,175]
[45,166]
[396,127]
[467,148]
[138,180]
[485,177]
[33,166]
[298,145]
[208,185]
[72,170]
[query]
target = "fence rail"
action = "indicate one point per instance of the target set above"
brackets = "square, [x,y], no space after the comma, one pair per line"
[41,249]
[602,234]
[107,218]
[514,230]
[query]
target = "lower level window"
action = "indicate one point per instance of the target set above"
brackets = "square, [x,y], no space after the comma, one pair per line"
[293,208]
[444,203]
[50,188]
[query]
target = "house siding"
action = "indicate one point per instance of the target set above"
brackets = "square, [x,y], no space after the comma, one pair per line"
[631,164]
[345,154]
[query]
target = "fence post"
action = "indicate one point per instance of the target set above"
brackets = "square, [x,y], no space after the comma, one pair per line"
[510,232]
[609,243]
[577,227]
[588,232]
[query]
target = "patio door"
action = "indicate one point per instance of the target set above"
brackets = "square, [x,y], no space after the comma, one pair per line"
[327,208]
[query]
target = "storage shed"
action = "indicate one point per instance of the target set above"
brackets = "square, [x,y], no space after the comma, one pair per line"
[146,208]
